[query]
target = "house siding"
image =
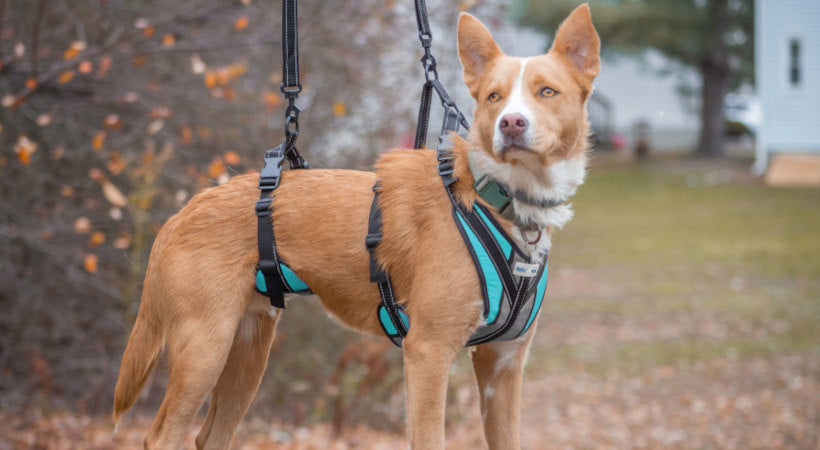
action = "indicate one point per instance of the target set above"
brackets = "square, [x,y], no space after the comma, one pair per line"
[791,114]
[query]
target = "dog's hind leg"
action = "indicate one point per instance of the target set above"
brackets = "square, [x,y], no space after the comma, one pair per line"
[498,369]
[240,378]
[197,350]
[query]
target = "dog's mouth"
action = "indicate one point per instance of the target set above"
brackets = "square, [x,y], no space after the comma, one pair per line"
[515,151]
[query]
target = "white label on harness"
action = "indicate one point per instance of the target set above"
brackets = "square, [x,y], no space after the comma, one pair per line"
[525,270]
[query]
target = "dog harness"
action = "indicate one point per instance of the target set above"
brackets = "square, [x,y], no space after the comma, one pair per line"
[512,284]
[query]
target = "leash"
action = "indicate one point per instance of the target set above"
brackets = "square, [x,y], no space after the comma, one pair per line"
[453,118]
[271,174]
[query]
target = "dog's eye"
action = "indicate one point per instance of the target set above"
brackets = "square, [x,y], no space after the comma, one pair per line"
[494,97]
[548,92]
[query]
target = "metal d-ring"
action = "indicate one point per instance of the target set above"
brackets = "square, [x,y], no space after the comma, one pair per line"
[526,239]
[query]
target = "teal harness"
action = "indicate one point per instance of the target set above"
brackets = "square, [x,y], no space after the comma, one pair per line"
[512,284]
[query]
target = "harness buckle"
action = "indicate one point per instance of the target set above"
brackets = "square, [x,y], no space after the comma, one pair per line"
[272,172]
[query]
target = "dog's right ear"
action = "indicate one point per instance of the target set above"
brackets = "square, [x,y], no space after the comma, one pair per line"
[476,48]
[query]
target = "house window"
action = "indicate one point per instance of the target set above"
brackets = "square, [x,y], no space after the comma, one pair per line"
[794,62]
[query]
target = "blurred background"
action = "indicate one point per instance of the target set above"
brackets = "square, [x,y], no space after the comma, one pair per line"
[684,298]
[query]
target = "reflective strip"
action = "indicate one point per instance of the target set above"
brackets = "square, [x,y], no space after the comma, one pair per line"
[539,297]
[491,277]
[502,242]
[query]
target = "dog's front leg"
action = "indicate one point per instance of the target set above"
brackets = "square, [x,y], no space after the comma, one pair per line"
[498,368]
[426,370]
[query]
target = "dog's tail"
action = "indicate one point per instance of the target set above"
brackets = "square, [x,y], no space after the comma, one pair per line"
[141,354]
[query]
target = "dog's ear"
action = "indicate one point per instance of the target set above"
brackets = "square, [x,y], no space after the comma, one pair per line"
[476,48]
[577,41]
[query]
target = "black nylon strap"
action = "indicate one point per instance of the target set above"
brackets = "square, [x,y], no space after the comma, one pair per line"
[377,274]
[268,264]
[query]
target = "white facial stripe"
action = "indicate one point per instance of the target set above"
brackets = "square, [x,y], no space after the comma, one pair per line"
[515,104]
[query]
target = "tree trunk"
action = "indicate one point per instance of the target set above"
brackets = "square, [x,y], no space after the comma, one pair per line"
[712,122]
[714,69]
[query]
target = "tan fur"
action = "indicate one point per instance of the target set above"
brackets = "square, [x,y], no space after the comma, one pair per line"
[199,302]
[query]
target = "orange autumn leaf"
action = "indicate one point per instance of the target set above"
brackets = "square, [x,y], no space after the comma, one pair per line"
[210,80]
[216,168]
[97,238]
[24,148]
[98,140]
[241,23]
[168,40]
[70,53]
[148,31]
[31,83]
[90,262]
[65,77]
[231,157]
[160,112]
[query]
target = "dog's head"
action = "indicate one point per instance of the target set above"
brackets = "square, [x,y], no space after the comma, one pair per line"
[531,109]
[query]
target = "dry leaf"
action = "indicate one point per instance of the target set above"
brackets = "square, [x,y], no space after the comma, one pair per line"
[31,83]
[65,77]
[24,148]
[231,157]
[216,168]
[154,127]
[168,40]
[85,67]
[241,23]
[148,31]
[82,225]
[98,140]
[44,119]
[122,242]
[74,49]
[90,262]
[187,135]
[272,99]
[113,194]
[197,66]
[139,60]
[97,238]
[105,66]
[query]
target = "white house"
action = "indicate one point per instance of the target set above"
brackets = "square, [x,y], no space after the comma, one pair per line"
[787,69]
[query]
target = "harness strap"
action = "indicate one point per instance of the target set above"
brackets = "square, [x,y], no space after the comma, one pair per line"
[268,261]
[379,276]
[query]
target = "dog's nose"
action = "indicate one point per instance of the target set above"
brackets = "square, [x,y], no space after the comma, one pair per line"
[512,125]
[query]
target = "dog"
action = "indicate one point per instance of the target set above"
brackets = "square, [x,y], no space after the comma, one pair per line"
[530,131]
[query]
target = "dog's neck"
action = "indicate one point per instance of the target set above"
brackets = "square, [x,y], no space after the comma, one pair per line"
[544,192]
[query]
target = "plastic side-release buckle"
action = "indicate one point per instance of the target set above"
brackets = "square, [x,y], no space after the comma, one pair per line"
[272,172]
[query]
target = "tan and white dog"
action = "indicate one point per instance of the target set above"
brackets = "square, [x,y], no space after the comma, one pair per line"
[198,302]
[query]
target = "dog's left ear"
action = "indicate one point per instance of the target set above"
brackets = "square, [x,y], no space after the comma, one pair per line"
[476,48]
[577,41]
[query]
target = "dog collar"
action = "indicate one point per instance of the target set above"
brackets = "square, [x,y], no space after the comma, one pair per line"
[500,196]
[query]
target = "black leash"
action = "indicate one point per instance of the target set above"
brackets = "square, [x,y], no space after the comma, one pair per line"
[272,172]
[431,83]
